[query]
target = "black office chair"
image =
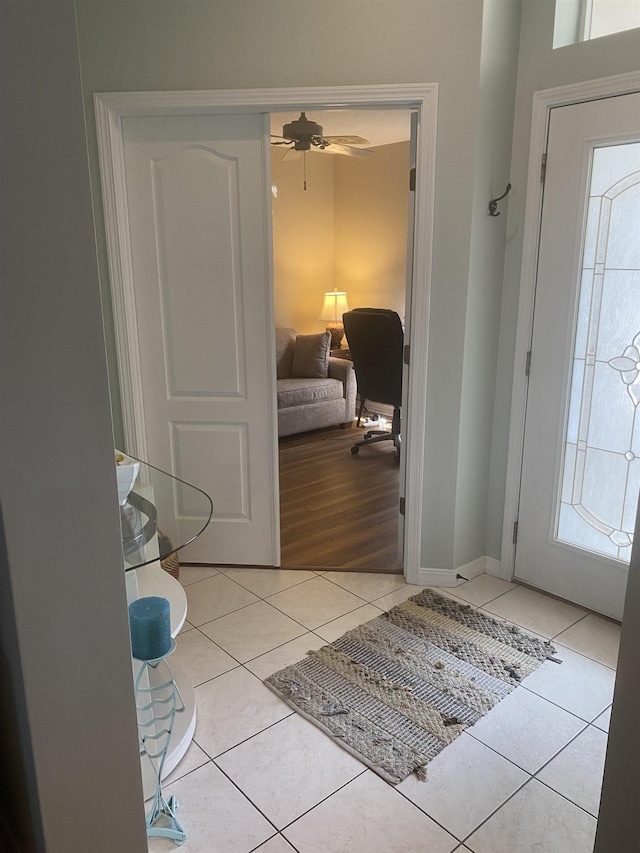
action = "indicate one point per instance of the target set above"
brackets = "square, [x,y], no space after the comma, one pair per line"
[376,341]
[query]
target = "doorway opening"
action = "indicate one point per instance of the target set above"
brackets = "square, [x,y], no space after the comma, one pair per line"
[235,509]
[340,222]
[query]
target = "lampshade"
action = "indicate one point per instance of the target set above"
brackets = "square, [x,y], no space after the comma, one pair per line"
[334,306]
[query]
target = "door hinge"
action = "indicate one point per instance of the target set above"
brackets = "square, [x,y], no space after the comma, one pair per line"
[406,353]
[543,168]
[412,180]
[527,367]
[401,506]
[515,532]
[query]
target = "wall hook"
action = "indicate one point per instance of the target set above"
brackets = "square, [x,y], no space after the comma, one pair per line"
[493,204]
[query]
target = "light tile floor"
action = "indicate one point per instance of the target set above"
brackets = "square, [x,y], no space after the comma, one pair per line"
[259,777]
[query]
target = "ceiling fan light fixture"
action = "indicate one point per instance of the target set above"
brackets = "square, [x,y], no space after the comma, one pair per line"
[302,129]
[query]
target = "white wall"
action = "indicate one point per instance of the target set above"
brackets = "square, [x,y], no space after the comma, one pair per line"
[70,771]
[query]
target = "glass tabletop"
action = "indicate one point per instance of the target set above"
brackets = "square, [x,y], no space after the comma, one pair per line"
[164,505]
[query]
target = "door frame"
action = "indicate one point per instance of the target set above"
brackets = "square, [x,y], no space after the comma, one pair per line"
[543,102]
[111,107]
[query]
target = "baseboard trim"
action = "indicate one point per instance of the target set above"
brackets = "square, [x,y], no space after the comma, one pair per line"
[495,568]
[473,569]
[437,577]
[455,577]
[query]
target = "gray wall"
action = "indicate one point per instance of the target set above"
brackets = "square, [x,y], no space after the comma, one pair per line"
[211,45]
[64,648]
[539,67]
[618,818]
[496,100]
[70,773]
[470,48]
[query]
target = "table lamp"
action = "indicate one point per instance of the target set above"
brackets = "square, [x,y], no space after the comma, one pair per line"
[334,306]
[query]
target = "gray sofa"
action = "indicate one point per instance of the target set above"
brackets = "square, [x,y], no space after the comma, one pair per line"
[312,401]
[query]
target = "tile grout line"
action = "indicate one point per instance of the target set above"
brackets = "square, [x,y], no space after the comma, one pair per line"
[424,811]
[496,810]
[369,601]
[517,791]
[185,774]
[561,707]
[268,651]
[284,589]
[246,739]
[249,800]
[527,781]
[559,793]
[573,624]
[582,654]
[323,800]
[515,764]
[484,604]
[322,624]
[277,835]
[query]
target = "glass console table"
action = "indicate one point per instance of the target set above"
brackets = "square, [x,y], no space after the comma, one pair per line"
[161,515]
[159,501]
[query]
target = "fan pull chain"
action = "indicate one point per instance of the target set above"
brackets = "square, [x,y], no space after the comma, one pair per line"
[304,161]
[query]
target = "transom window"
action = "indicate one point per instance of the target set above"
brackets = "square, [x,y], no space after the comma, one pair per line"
[581,20]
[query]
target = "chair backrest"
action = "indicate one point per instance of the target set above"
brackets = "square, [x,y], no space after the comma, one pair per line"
[376,339]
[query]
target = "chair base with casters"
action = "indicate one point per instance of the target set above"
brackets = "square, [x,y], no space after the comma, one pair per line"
[375,435]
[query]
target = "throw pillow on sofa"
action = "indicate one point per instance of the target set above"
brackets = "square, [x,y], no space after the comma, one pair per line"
[311,356]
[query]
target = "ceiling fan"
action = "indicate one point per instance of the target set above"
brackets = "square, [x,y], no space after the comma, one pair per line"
[303,134]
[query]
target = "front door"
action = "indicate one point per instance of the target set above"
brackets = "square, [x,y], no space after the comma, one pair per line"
[198,223]
[581,460]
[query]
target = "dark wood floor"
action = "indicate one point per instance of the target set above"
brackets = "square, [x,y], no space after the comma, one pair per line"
[338,510]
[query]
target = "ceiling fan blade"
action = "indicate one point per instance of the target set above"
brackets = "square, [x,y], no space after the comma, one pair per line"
[334,148]
[282,140]
[346,140]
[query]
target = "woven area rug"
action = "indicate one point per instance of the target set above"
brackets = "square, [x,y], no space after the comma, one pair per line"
[396,690]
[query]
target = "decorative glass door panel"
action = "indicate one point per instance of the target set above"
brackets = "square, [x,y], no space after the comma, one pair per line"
[601,471]
[581,455]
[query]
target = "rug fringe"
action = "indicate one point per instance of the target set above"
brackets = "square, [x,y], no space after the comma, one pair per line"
[421,773]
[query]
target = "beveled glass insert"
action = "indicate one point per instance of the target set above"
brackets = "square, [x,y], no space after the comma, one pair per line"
[600,478]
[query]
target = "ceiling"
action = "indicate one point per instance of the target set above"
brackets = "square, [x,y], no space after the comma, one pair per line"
[380,127]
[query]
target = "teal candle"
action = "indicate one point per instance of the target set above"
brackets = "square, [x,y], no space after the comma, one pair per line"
[150,626]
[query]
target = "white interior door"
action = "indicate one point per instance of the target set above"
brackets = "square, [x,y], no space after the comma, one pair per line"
[581,460]
[199,220]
